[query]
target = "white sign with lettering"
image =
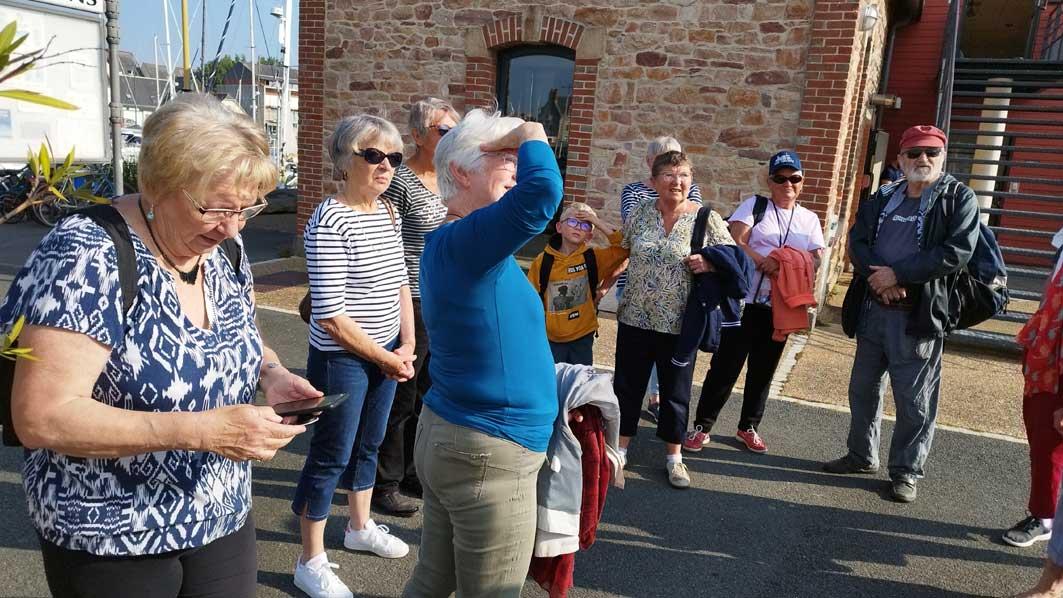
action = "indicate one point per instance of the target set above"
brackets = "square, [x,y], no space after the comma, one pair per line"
[95,6]
[74,72]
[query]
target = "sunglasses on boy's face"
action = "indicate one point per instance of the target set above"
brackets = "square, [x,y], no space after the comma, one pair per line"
[931,152]
[579,224]
[794,179]
[375,156]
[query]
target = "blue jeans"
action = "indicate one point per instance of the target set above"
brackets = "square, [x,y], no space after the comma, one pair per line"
[1055,543]
[579,351]
[343,449]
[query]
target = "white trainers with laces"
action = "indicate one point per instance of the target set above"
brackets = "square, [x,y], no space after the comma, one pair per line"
[678,476]
[318,580]
[376,539]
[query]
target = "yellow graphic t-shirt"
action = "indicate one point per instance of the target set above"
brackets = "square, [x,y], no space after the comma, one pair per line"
[569,300]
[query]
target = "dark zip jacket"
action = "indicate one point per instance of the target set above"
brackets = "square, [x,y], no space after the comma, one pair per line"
[946,241]
[715,301]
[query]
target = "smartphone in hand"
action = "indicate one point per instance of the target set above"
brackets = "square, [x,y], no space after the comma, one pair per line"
[307,411]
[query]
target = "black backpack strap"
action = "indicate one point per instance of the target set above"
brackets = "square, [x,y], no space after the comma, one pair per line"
[591,261]
[701,222]
[760,207]
[107,217]
[544,273]
[231,249]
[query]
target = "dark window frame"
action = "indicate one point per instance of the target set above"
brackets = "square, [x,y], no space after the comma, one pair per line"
[503,59]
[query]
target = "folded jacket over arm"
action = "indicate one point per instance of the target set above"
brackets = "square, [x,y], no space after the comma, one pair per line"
[715,301]
[792,291]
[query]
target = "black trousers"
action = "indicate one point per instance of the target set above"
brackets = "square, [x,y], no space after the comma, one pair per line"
[395,456]
[753,340]
[225,568]
[637,351]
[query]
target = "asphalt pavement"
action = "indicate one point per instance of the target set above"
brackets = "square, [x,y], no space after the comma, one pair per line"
[750,525]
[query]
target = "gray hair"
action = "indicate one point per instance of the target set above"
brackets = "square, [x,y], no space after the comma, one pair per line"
[461,146]
[660,145]
[353,131]
[423,111]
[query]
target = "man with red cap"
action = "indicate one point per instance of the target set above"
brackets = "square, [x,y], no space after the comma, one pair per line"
[909,238]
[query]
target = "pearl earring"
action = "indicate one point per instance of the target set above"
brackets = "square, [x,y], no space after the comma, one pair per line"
[151,214]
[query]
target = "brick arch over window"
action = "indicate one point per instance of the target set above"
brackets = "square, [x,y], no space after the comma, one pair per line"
[482,44]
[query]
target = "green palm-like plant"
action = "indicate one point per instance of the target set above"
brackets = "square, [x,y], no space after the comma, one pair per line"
[12,65]
[50,182]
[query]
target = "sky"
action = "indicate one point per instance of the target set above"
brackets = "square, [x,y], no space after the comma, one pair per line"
[141,20]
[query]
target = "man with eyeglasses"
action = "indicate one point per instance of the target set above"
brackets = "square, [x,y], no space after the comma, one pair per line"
[908,241]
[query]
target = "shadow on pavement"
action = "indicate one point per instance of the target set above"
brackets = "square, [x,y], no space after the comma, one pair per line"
[717,543]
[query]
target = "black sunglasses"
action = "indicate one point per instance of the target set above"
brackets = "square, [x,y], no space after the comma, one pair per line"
[375,156]
[931,152]
[795,179]
[442,129]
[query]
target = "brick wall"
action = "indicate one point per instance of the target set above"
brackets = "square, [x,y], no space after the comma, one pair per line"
[312,169]
[836,73]
[531,27]
[733,81]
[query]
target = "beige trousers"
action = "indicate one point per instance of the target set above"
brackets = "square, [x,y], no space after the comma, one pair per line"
[479,512]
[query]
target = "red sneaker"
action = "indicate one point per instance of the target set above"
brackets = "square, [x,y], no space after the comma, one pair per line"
[696,440]
[752,440]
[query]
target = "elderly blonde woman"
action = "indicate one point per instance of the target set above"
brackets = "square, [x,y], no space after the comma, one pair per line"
[488,417]
[361,343]
[632,196]
[658,233]
[415,195]
[139,424]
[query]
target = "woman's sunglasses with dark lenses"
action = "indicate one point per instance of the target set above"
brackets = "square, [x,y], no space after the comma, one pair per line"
[375,156]
[931,152]
[580,224]
[441,129]
[795,179]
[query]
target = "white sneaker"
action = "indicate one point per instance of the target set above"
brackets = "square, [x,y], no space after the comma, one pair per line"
[318,580]
[678,476]
[376,539]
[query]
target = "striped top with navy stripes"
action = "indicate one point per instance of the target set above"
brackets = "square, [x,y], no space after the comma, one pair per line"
[422,212]
[356,268]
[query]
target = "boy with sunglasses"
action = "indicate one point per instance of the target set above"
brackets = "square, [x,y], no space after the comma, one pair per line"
[566,277]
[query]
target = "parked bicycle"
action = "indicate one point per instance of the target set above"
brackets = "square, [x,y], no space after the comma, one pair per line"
[95,178]
[14,187]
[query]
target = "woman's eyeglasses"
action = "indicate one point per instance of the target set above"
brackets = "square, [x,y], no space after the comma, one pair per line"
[506,158]
[580,224]
[793,179]
[441,129]
[216,215]
[931,152]
[375,156]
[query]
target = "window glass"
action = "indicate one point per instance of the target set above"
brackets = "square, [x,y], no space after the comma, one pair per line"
[535,83]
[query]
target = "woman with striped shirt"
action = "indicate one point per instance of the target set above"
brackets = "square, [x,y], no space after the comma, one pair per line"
[415,195]
[361,343]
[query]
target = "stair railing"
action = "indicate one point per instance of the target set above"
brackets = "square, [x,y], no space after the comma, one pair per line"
[1052,42]
[949,50]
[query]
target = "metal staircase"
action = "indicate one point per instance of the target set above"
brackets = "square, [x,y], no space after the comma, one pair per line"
[1004,118]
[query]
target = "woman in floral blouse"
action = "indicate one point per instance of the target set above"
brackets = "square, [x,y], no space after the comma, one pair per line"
[651,309]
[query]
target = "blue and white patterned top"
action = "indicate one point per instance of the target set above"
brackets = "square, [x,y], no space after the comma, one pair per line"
[155,502]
